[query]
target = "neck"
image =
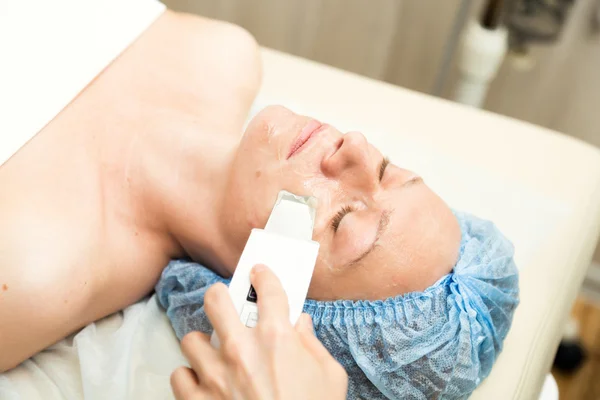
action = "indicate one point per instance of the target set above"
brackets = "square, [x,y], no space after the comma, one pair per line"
[189,185]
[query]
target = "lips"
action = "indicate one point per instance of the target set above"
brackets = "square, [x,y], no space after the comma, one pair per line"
[307,132]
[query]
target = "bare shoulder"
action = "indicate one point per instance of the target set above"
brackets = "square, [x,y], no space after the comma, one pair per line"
[220,49]
[192,63]
[226,39]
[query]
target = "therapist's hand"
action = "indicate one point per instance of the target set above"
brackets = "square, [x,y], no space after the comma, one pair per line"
[274,360]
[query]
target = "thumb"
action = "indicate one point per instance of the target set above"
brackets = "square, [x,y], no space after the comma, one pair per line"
[304,325]
[305,330]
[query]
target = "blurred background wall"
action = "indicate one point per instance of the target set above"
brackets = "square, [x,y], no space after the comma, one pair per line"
[557,85]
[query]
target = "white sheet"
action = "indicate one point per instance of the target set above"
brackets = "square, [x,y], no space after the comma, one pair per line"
[128,355]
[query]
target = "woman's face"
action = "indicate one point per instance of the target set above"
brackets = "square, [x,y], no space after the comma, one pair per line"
[382,231]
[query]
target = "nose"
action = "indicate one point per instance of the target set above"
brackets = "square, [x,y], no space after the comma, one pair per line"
[351,161]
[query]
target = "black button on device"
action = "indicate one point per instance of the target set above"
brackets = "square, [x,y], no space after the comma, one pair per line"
[252,296]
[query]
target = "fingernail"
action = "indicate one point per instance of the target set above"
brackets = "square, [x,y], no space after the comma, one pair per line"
[257,269]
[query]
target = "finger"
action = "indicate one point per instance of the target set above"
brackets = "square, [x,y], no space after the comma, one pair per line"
[184,383]
[206,363]
[200,354]
[304,325]
[221,312]
[272,300]
[316,348]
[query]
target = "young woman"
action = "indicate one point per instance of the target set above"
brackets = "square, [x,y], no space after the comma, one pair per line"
[149,164]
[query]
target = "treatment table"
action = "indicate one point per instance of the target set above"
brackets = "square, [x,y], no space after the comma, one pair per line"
[540,187]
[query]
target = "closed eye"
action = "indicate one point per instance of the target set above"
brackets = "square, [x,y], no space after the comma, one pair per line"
[337,218]
[384,163]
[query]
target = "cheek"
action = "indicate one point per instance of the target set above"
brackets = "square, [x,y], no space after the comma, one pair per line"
[257,144]
[324,189]
[323,285]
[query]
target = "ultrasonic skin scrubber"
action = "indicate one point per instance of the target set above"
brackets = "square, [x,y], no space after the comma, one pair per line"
[285,245]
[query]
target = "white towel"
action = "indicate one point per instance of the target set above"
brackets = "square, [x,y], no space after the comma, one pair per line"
[50,51]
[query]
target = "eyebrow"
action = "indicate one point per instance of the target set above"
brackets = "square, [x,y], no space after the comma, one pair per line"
[382,166]
[381,227]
